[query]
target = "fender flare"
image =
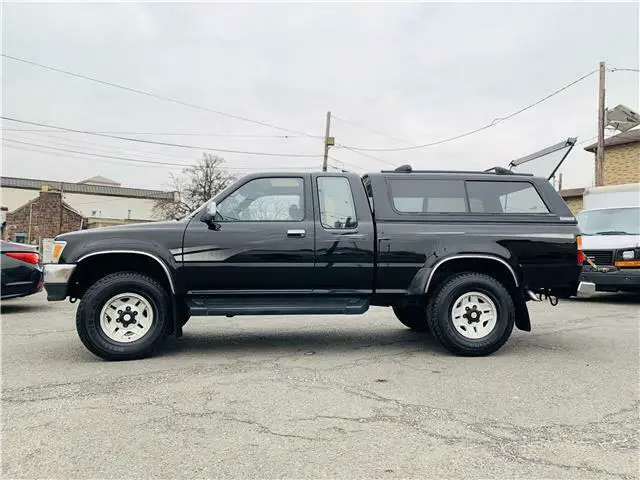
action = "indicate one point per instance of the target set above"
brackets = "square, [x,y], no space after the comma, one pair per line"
[523,321]
[177,326]
[482,256]
[164,266]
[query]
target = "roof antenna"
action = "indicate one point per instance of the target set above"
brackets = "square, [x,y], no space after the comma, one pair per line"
[406,168]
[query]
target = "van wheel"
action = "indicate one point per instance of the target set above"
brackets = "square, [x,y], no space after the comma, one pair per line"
[414,317]
[124,316]
[472,314]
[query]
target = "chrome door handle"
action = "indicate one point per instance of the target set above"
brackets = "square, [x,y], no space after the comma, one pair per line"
[296,233]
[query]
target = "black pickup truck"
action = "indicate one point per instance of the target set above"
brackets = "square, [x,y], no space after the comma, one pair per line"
[455,253]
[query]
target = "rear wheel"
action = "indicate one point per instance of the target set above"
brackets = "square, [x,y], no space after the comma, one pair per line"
[124,316]
[472,314]
[412,316]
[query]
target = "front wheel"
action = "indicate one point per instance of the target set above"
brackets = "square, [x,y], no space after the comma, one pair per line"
[124,316]
[472,314]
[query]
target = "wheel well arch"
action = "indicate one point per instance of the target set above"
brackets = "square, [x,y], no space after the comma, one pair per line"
[94,266]
[497,267]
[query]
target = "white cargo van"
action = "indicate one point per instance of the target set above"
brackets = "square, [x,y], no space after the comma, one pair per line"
[610,226]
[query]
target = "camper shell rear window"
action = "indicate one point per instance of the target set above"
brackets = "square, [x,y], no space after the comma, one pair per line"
[434,196]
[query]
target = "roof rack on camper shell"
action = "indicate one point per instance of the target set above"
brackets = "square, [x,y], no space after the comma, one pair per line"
[497,170]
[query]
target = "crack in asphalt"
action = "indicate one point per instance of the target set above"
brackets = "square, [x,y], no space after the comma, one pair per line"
[615,431]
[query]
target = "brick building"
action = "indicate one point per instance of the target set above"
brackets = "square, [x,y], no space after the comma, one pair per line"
[45,216]
[101,201]
[573,198]
[621,165]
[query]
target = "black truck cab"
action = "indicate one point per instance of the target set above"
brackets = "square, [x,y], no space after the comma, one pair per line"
[457,253]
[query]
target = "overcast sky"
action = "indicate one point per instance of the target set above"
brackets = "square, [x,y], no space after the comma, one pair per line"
[415,72]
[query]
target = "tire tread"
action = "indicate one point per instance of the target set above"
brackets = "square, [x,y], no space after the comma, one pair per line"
[83,311]
[435,311]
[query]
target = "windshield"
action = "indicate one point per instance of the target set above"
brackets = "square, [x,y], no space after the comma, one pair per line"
[612,221]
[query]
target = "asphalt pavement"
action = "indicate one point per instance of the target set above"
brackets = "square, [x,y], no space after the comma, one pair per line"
[324,397]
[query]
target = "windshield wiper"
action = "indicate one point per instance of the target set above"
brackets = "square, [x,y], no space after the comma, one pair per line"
[612,232]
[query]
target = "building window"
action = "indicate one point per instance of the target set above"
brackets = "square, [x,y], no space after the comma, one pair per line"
[21,238]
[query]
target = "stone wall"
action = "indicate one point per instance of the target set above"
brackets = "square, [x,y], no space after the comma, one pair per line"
[40,218]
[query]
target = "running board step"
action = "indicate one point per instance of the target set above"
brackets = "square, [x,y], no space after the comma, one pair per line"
[207,306]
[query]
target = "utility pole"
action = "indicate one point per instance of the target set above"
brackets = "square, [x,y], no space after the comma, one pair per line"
[328,142]
[601,122]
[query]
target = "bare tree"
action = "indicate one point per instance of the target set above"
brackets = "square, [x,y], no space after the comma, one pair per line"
[194,186]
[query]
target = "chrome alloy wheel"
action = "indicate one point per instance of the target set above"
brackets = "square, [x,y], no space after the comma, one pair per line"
[474,315]
[127,317]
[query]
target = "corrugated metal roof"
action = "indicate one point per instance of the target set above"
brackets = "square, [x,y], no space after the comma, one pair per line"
[36,184]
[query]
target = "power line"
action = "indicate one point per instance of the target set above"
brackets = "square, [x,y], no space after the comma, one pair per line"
[476,130]
[193,134]
[74,156]
[152,95]
[372,130]
[108,149]
[113,157]
[345,163]
[151,162]
[614,69]
[388,136]
[76,143]
[367,155]
[165,144]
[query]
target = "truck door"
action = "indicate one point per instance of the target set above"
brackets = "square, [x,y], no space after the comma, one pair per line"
[262,240]
[344,233]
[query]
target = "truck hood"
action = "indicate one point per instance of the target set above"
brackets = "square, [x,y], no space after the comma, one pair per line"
[610,242]
[125,230]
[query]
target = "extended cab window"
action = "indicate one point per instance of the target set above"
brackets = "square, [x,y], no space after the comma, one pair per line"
[504,197]
[428,196]
[265,200]
[336,203]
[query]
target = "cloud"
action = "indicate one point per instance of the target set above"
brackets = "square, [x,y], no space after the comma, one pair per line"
[418,72]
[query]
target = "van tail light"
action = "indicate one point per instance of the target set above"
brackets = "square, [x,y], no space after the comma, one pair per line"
[28,257]
[580,252]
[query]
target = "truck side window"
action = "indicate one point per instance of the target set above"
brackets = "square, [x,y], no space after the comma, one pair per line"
[336,203]
[504,197]
[265,200]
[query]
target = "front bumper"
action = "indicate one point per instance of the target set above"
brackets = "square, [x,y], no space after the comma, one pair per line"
[56,280]
[614,280]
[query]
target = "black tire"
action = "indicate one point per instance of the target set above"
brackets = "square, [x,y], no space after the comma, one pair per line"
[440,318]
[412,316]
[88,316]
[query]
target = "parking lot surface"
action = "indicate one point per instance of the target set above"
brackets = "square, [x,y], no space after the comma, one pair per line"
[332,397]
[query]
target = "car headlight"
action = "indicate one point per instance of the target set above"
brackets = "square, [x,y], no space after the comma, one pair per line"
[56,250]
[628,257]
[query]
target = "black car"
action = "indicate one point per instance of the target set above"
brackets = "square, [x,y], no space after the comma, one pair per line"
[21,270]
[456,253]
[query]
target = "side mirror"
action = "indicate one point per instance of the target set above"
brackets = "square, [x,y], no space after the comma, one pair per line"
[212,209]
[209,214]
